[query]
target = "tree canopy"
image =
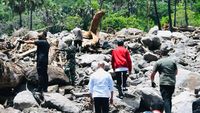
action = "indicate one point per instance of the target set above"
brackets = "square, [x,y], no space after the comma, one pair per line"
[67,14]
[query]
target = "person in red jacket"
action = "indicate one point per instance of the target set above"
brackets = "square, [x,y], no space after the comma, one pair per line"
[122,66]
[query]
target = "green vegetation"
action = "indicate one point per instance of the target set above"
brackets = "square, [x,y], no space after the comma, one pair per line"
[37,14]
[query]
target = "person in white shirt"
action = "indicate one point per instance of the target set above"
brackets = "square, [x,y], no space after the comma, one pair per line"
[101,89]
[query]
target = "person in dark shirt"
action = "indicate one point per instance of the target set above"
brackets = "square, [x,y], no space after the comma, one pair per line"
[42,60]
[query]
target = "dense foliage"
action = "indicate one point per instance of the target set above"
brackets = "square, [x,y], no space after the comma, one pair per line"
[67,14]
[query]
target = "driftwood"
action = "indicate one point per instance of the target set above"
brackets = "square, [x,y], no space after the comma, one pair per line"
[19,56]
[91,35]
[95,21]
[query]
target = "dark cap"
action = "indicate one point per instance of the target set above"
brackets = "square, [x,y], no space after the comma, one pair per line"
[164,50]
[120,42]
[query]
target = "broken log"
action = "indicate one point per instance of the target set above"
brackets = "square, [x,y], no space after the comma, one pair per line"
[95,21]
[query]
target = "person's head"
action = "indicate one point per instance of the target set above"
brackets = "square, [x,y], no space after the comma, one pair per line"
[42,36]
[120,42]
[101,64]
[164,50]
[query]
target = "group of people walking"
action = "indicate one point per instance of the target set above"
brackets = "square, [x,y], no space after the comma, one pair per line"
[101,83]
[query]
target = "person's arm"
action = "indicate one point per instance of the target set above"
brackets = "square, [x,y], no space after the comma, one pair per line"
[111,98]
[29,42]
[176,72]
[155,69]
[128,58]
[111,87]
[153,76]
[113,61]
[91,84]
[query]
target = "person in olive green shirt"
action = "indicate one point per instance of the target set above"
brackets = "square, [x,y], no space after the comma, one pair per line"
[167,69]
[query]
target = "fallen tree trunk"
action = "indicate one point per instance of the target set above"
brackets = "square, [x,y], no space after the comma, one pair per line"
[11,74]
[95,21]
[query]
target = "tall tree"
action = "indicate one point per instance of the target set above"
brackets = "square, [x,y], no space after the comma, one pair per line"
[169,14]
[175,3]
[100,4]
[17,6]
[32,4]
[186,16]
[157,17]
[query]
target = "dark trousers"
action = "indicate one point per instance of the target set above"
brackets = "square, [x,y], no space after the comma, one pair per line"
[78,44]
[101,105]
[166,93]
[121,78]
[42,77]
[196,106]
[70,72]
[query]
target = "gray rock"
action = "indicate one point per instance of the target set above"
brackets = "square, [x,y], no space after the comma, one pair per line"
[148,56]
[61,103]
[40,110]
[87,59]
[10,110]
[165,34]
[24,100]
[153,30]
[56,76]
[129,31]
[182,103]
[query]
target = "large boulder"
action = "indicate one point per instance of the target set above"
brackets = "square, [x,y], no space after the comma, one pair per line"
[10,110]
[148,56]
[165,34]
[149,97]
[61,103]
[24,100]
[129,31]
[87,59]
[40,110]
[182,103]
[152,42]
[56,76]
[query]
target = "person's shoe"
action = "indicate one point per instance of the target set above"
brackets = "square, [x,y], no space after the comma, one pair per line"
[121,97]
[125,89]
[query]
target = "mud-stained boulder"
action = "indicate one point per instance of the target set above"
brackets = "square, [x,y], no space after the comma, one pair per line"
[11,74]
[56,76]
[187,79]
[61,103]
[24,100]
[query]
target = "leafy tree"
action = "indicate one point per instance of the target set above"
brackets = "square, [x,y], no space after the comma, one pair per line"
[157,18]
[32,5]
[169,14]
[186,16]
[17,6]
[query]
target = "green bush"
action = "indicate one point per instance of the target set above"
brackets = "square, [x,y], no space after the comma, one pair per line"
[118,22]
[72,21]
